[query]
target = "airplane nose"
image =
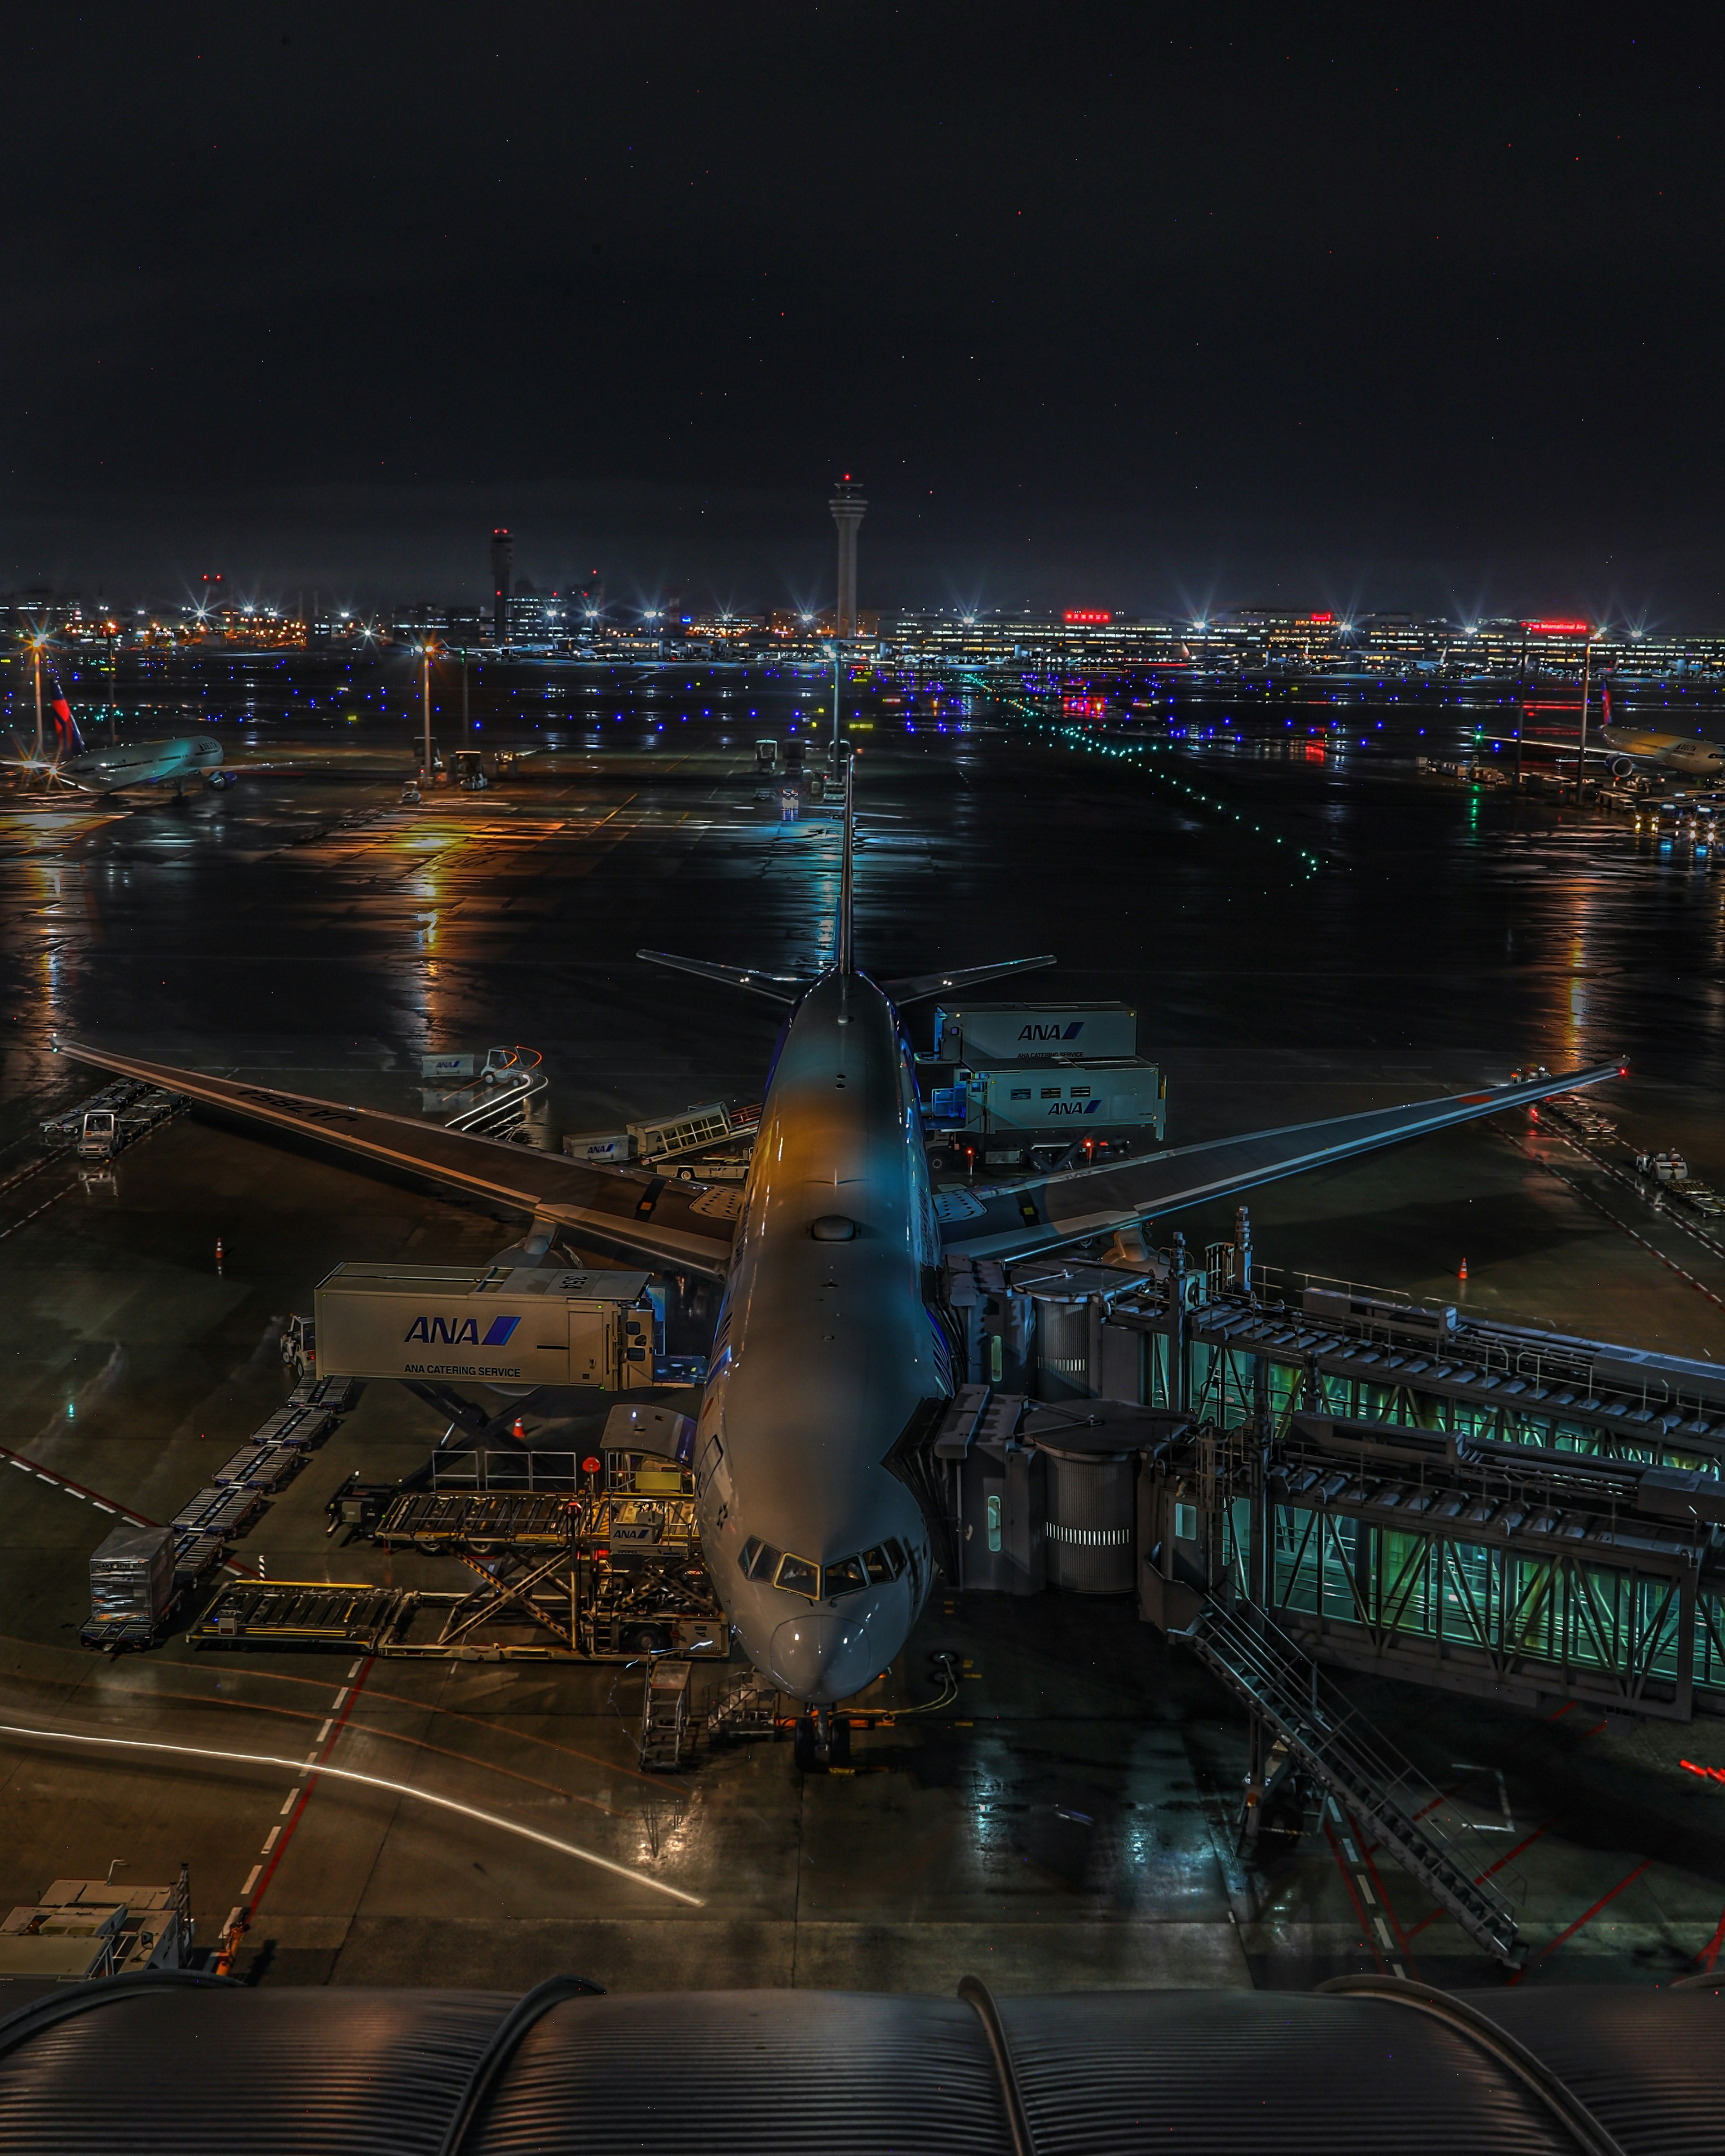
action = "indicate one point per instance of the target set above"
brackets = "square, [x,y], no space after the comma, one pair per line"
[829,1654]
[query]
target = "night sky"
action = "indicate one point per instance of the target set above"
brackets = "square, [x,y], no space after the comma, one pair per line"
[1144,307]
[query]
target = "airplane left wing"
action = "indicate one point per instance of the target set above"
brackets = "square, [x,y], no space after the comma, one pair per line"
[1012,1220]
[656,1220]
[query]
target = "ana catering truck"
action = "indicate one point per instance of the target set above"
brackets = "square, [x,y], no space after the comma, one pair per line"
[1038,1085]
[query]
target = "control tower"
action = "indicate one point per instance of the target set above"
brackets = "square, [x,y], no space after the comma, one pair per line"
[502,581]
[849,509]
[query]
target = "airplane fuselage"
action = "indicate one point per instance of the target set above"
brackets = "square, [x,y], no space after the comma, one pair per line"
[1686,753]
[828,1345]
[146,763]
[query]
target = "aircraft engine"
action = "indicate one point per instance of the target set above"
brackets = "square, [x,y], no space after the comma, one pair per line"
[1621,768]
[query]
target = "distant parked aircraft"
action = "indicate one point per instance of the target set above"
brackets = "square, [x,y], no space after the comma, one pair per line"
[136,763]
[1629,749]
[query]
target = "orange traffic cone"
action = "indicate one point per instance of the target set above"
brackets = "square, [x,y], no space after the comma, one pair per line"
[519,1432]
[1462,1274]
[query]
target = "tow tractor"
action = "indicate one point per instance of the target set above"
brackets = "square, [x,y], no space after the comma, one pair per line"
[98,1136]
[299,1348]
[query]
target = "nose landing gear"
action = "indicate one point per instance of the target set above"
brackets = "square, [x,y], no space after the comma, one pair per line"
[821,1742]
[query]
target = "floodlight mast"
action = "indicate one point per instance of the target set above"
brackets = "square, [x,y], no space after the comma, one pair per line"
[425,654]
[849,508]
[1586,661]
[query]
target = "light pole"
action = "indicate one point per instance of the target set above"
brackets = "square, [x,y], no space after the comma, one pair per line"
[1586,661]
[36,651]
[425,654]
[833,752]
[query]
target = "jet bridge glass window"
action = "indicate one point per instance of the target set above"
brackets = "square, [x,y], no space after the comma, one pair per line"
[799,1576]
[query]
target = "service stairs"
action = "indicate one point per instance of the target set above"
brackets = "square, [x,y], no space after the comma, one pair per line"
[1277,1683]
[745,1708]
[665,1714]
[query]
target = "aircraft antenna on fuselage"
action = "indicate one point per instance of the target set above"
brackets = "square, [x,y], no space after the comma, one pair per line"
[847,950]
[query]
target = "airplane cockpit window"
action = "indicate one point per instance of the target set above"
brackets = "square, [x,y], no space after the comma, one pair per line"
[759,1560]
[799,1576]
[844,1577]
[886,1561]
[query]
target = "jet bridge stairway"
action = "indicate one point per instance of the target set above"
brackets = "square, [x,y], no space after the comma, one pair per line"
[1279,1685]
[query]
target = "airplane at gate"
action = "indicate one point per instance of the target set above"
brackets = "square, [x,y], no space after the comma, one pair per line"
[835,1347]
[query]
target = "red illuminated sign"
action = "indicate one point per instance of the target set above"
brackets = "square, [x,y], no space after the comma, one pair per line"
[1087,617]
[1558,628]
[1321,620]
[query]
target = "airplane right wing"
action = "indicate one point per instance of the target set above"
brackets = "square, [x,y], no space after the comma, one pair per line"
[657,1220]
[957,978]
[1013,1219]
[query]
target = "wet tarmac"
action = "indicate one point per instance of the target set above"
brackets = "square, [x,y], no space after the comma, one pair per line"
[1071,1820]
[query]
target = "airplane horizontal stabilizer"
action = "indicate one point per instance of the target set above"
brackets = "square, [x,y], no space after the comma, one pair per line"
[656,1221]
[957,978]
[777,988]
[1012,1220]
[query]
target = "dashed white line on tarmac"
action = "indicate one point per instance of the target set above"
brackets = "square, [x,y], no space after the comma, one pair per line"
[269,1840]
[356,1670]
[339,1697]
[251,1880]
[323,1733]
[293,1799]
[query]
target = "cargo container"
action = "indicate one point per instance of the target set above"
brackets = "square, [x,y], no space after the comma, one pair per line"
[132,1579]
[1015,1033]
[518,1325]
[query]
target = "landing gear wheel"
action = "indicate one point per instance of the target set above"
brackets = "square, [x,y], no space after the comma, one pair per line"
[647,1639]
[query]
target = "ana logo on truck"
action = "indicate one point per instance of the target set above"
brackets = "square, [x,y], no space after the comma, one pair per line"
[1073,1107]
[456,1332]
[1038,1029]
